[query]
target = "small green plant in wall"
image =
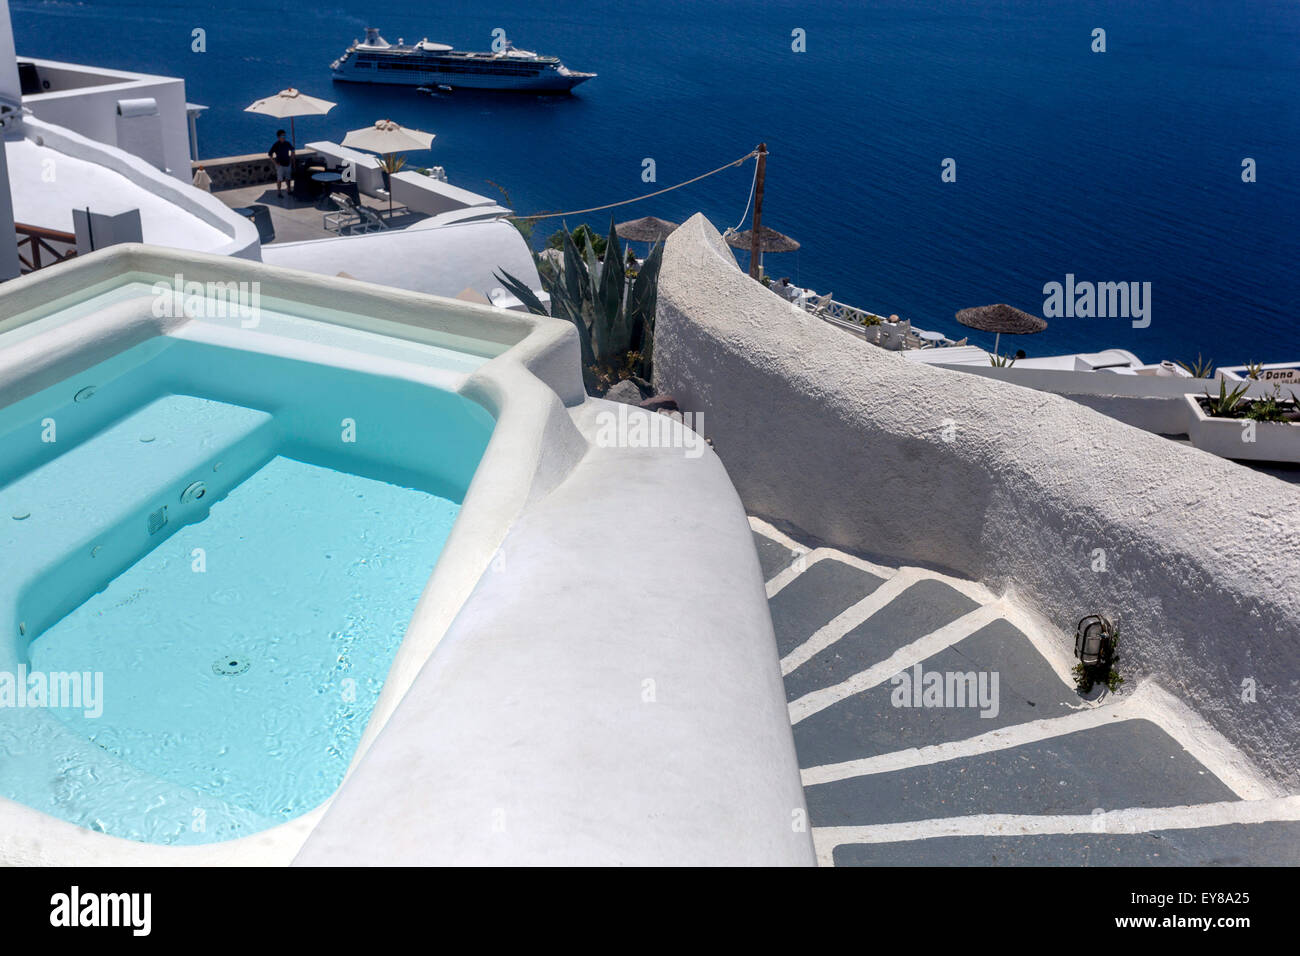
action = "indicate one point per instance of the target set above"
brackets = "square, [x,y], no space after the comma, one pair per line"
[1201,368]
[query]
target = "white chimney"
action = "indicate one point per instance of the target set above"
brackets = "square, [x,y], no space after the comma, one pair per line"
[139,130]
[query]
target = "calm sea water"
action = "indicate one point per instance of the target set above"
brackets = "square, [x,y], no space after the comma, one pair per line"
[1122,166]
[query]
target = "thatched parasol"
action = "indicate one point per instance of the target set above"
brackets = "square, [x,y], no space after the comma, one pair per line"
[769,240]
[647,229]
[1001,318]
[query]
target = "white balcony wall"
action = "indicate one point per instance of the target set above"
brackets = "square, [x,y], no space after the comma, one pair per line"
[84,99]
[1036,496]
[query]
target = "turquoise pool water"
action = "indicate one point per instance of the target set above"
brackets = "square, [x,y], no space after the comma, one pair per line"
[220,552]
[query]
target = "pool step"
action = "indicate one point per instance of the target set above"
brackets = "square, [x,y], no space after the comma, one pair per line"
[80,519]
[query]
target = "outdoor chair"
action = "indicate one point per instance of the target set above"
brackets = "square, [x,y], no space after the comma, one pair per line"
[894,334]
[371,220]
[344,216]
[351,217]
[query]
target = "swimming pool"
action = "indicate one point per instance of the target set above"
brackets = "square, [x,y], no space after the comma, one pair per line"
[243,636]
[209,557]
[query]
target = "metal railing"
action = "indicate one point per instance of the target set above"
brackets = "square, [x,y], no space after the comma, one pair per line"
[39,247]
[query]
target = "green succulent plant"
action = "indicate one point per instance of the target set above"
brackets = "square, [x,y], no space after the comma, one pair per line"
[1201,368]
[614,313]
[1226,403]
[1272,408]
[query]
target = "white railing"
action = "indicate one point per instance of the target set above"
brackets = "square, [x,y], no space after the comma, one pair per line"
[845,313]
[876,329]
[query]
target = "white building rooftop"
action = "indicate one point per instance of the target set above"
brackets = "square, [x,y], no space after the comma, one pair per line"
[53,170]
[441,261]
[47,185]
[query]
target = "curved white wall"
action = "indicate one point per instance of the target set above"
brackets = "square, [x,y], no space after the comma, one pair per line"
[242,237]
[442,261]
[84,99]
[868,452]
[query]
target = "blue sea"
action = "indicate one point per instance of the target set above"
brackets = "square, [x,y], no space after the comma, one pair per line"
[1117,166]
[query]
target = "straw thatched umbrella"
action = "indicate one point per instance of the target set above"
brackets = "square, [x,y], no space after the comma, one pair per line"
[769,240]
[290,103]
[648,229]
[388,138]
[1001,318]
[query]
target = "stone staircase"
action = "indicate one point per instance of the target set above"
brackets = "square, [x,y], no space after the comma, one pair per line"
[938,724]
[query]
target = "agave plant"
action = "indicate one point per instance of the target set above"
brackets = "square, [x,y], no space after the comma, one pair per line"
[1272,408]
[1253,370]
[614,317]
[1201,368]
[1226,403]
[1002,361]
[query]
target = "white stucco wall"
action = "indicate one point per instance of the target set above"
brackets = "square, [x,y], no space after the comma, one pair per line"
[90,106]
[599,700]
[174,215]
[440,261]
[1150,402]
[1019,489]
[9,264]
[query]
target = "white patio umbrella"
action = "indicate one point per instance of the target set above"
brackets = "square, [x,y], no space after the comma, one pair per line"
[387,137]
[290,103]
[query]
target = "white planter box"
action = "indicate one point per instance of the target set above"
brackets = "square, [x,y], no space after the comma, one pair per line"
[1235,438]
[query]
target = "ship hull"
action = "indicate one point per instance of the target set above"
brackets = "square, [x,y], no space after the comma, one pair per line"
[548,81]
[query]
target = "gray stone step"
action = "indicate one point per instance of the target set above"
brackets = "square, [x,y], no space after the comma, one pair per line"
[869,723]
[815,598]
[924,607]
[1131,763]
[1238,844]
[773,557]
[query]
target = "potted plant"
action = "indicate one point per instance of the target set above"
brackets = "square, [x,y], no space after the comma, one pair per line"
[1234,424]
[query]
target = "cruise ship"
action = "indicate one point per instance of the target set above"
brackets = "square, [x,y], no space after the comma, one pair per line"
[425,63]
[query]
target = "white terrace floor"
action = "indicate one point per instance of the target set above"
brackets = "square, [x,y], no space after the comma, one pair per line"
[1136,779]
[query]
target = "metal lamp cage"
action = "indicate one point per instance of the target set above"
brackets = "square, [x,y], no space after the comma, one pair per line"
[1094,640]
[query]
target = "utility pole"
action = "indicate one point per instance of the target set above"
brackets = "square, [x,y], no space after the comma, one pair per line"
[755,260]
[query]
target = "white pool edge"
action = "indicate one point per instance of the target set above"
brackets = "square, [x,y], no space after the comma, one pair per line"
[519,463]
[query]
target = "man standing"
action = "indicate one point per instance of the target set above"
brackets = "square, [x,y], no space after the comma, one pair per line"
[281,153]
